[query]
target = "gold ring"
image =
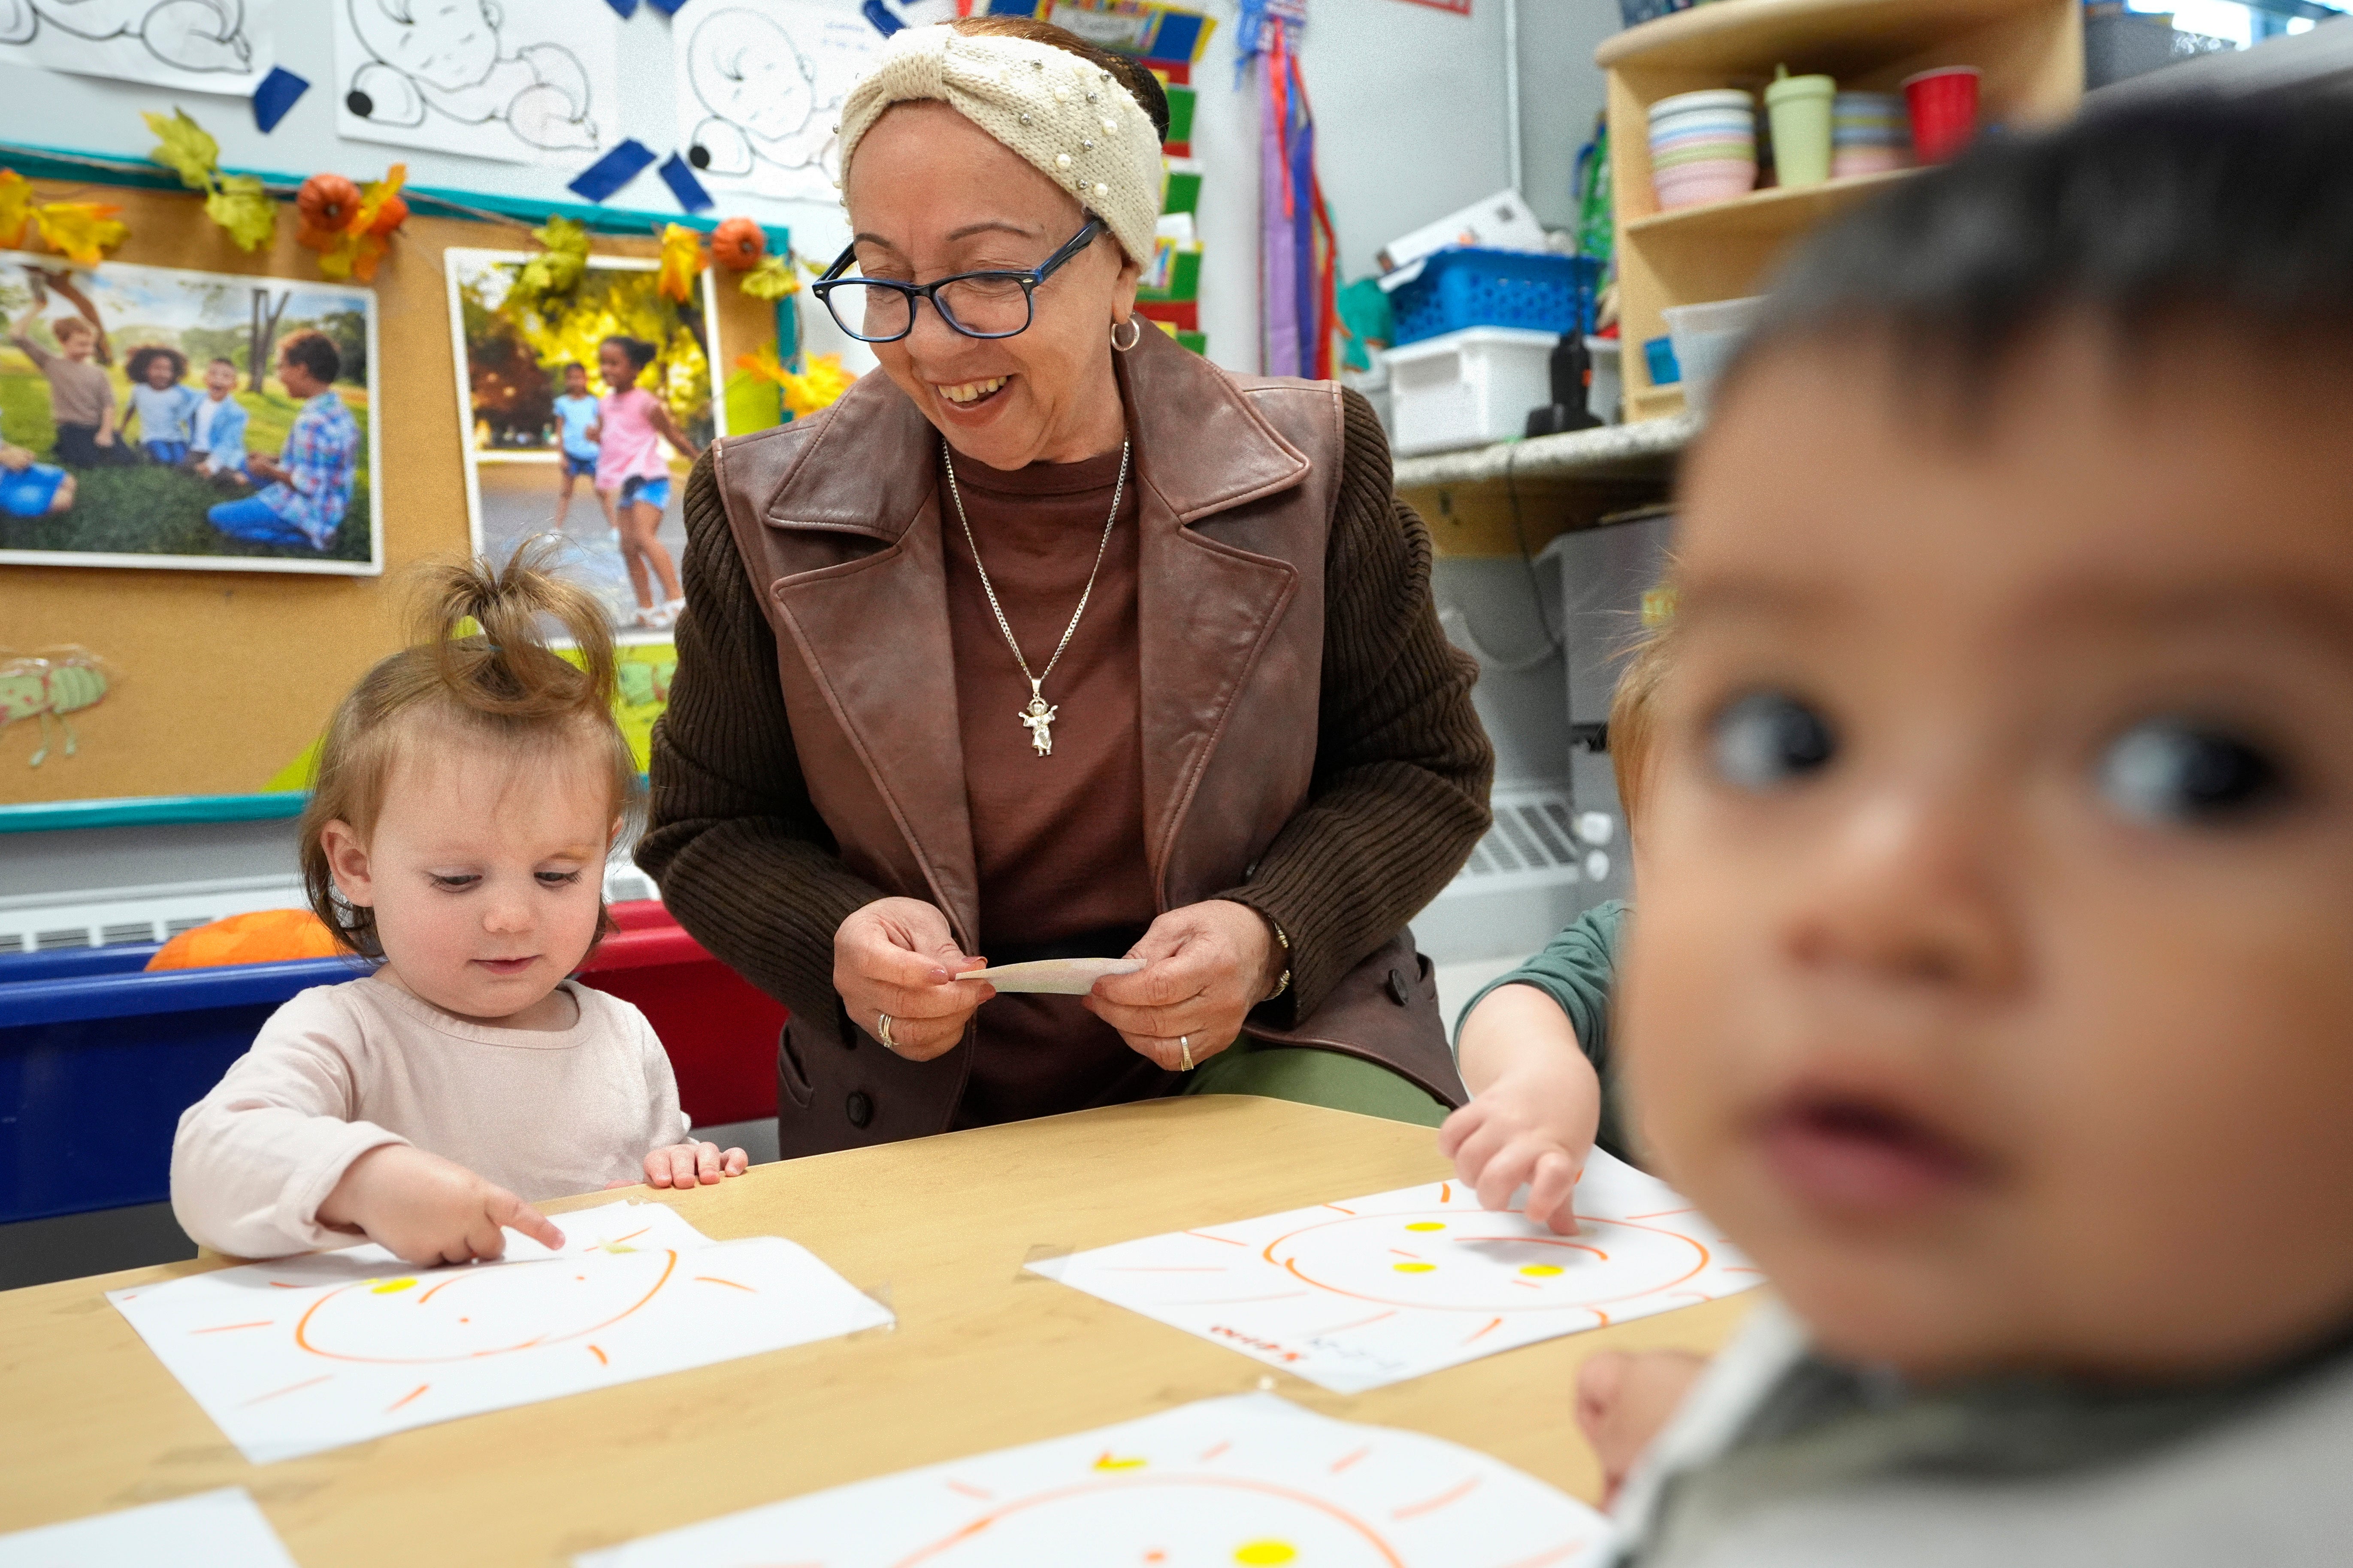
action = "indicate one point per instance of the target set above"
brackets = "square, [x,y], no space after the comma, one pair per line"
[882,1031]
[1184,1044]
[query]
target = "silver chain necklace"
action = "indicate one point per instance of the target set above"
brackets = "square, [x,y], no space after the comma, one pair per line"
[1039,717]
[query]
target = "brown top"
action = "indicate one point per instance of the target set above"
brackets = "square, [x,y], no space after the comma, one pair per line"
[1058,840]
[80,392]
[820,530]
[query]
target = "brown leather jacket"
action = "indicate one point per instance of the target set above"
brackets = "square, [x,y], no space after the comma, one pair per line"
[835,524]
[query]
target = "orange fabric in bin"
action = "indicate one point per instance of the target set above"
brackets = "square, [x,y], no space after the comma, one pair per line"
[266,936]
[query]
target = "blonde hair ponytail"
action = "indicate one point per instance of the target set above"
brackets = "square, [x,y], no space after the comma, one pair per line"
[480,664]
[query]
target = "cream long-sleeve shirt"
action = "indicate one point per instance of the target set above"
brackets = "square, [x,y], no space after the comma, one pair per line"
[342,1069]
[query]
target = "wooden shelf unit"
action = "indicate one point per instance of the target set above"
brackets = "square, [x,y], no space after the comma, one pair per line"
[2030,52]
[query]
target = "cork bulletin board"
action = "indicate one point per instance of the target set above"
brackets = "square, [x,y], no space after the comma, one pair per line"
[219,681]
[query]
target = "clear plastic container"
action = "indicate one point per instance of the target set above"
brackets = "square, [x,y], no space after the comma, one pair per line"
[1705,338]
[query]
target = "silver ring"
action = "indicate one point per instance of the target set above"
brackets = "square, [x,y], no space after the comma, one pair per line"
[882,1031]
[1185,1045]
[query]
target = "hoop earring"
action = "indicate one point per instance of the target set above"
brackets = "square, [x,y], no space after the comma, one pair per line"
[1133,338]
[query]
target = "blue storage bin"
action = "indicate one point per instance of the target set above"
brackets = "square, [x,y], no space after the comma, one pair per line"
[1465,286]
[64,962]
[95,1066]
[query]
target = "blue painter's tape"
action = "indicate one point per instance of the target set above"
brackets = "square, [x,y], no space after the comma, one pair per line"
[682,184]
[275,96]
[669,8]
[880,14]
[609,173]
[627,8]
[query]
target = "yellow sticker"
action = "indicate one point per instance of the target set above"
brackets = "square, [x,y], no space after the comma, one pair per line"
[1426,1224]
[1413,1268]
[389,1286]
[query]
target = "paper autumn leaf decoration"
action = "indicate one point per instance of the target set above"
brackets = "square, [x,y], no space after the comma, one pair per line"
[84,231]
[558,268]
[15,207]
[682,261]
[238,203]
[771,279]
[246,211]
[819,387]
[185,148]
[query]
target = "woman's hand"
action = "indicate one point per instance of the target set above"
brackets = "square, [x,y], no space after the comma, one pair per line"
[1205,967]
[428,1210]
[897,956]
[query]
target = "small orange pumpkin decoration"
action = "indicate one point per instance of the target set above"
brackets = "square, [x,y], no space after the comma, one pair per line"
[738,245]
[326,203]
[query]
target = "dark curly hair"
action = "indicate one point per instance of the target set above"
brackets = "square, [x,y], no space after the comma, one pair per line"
[144,358]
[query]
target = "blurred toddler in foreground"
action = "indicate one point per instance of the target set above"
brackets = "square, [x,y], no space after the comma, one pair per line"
[1994,980]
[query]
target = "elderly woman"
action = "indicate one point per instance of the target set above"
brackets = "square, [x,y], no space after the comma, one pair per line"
[1051,639]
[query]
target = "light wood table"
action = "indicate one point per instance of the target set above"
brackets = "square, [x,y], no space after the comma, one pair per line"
[986,1355]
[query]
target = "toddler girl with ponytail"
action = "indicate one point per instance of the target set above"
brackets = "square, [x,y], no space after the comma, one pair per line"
[468,791]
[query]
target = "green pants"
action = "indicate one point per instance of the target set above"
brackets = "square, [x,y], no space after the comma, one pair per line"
[1316,1078]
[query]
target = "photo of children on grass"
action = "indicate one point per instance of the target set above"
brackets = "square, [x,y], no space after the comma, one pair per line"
[588,399]
[153,416]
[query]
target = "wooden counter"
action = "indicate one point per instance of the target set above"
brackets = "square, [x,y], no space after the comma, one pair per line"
[986,1355]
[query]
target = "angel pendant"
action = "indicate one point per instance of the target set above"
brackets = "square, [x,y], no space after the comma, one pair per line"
[1040,719]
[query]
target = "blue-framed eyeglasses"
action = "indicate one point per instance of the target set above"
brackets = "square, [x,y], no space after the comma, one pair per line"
[977,304]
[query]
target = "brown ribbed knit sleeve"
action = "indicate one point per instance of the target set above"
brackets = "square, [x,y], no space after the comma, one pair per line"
[743,860]
[1402,764]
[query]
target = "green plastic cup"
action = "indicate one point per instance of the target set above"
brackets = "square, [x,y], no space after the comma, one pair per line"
[1801,107]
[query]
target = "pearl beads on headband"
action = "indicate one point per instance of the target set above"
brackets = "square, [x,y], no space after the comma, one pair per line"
[1061,115]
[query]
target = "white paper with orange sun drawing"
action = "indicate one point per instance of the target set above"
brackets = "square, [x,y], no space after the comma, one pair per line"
[1369,1291]
[312,1352]
[1250,1479]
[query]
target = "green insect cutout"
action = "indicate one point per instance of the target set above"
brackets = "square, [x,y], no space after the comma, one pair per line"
[40,688]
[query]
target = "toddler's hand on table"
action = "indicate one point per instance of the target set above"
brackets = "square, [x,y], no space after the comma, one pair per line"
[1532,1127]
[428,1210]
[691,1165]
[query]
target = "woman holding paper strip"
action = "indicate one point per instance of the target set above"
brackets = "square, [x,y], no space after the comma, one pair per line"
[1053,640]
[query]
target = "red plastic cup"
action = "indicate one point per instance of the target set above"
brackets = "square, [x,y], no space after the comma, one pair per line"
[1944,105]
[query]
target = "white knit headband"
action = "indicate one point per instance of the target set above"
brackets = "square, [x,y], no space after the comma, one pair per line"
[1076,123]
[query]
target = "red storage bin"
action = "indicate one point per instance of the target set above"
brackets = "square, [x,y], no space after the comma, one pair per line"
[720,1029]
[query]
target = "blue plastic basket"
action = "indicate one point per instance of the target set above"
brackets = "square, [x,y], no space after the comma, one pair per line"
[98,1058]
[1465,286]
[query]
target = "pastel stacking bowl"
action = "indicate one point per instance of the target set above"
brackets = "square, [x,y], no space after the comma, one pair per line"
[1702,147]
[1870,134]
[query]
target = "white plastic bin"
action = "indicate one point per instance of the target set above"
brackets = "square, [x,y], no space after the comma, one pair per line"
[1468,388]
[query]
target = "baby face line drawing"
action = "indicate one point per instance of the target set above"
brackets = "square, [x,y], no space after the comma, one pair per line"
[760,89]
[188,35]
[451,59]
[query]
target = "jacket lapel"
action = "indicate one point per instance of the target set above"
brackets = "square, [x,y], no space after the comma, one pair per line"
[1204,609]
[873,631]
